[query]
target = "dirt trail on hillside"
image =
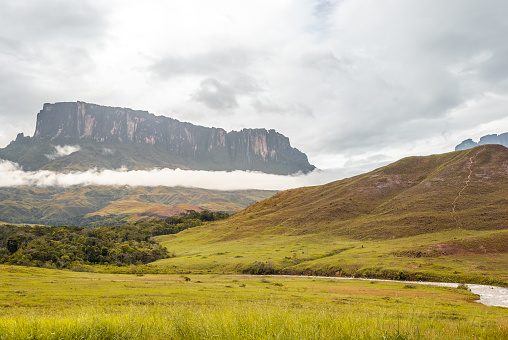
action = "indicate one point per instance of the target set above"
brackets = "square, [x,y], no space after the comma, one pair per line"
[466,184]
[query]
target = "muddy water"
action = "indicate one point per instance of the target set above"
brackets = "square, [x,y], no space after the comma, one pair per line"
[489,295]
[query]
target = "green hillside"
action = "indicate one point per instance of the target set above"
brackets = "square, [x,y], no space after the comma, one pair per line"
[34,156]
[439,217]
[108,205]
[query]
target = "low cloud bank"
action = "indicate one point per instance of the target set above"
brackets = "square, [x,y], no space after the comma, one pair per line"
[11,174]
[64,150]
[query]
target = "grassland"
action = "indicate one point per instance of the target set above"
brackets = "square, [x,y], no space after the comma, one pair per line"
[439,218]
[421,257]
[52,304]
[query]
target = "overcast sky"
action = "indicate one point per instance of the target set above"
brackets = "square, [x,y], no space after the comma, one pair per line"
[352,83]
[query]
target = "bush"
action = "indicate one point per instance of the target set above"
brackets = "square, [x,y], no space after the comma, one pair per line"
[463,286]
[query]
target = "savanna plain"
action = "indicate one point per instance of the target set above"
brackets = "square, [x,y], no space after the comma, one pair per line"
[42,303]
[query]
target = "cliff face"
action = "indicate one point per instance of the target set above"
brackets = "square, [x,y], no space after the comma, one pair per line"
[195,147]
[501,139]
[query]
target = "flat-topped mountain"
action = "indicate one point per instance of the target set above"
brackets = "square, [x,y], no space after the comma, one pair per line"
[501,139]
[112,137]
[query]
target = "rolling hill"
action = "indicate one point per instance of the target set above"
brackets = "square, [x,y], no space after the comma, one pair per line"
[434,217]
[105,205]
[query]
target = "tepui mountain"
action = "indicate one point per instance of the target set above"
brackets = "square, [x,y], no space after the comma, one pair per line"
[501,139]
[113,137]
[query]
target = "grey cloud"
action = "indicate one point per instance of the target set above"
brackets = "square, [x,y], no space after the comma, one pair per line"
[223,94]
[28,28]
[267,105]
[375,160]
[396,85]
[46,19]
[10,46]
[468,29]
[215,95]
[43,55]
[209,63]
[475,28]
[20,100]
[495,68]
[325,61]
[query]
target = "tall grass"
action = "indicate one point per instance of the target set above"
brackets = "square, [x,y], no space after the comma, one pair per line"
[245,321]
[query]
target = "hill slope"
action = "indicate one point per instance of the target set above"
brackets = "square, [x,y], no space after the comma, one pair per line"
[467,190]
[428,216]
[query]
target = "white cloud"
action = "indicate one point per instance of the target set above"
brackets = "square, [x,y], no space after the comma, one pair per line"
[107,151]
[12,175]
[63,150]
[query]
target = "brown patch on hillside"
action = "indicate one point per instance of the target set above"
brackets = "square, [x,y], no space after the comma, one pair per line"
[450,248]
[168,211]
[492,244]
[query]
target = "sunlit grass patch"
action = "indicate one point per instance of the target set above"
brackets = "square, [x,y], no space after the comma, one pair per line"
[55,304]
[252,321]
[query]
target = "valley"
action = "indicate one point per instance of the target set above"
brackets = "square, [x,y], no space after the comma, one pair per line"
[271,269]
[109,205]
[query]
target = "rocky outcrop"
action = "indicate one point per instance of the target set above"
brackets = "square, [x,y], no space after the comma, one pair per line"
[191,146]
[501,139]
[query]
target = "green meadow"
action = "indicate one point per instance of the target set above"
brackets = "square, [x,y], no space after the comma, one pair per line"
[41,303]
[209,248]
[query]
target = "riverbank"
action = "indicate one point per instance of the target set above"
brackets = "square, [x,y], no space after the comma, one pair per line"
[489,295]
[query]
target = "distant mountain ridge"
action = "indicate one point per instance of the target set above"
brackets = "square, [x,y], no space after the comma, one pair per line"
[108,136]
[108,205]
[501,139]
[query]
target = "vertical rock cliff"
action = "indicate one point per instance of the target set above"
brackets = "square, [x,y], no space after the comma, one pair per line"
[172,143]
[501,139]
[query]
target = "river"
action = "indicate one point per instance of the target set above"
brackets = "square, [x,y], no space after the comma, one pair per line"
[489,295]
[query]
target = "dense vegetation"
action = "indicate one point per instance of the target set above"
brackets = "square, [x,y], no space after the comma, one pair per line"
[72,246]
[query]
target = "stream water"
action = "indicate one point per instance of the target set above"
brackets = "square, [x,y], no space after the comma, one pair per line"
[489,295]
